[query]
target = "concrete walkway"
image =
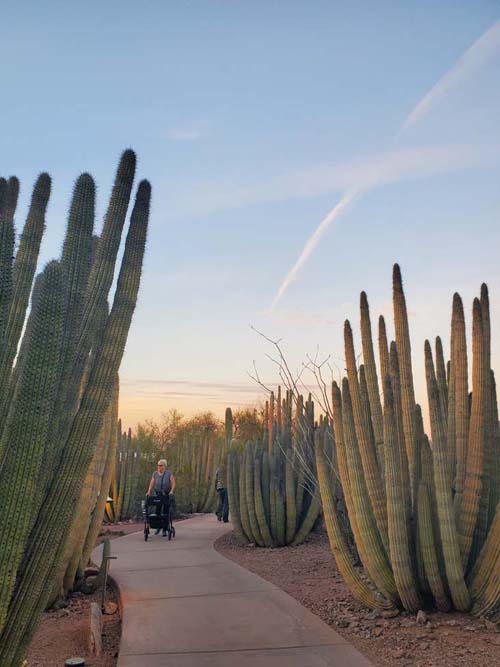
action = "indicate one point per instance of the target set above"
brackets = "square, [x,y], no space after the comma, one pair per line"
[185,605]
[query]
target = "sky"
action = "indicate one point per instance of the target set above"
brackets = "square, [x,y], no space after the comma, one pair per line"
[253,121]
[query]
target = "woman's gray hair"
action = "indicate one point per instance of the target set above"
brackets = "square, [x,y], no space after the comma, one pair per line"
[162,462]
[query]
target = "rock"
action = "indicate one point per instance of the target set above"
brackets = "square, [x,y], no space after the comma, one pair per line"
[343,623]
[390,613]
[378,631]
[421,617]
[399,653]
[110,608]
[407,623]
[489,625]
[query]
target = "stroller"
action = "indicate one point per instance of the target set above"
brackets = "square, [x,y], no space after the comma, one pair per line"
[157,511]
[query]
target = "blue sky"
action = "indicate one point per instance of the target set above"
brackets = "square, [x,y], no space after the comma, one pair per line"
[252,120]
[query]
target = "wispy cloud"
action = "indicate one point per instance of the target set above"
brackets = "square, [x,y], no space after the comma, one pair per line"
[158,387]
[475,57]
[363,173]
[187,133]
[479,53]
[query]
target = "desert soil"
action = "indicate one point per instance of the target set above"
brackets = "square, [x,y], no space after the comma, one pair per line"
[62,634]
[309,575]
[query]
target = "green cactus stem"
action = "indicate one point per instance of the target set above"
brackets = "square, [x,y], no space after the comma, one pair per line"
[372,379]
[26,430]
[473,485]
[399,527]
[366,444]
[459,361]
[357,585]
[403,346]
[428,547]
[447,530]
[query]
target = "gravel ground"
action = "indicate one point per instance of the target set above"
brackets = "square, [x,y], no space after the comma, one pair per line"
[62,634]
[308,574]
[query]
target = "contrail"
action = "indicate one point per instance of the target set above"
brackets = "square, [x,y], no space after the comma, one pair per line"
[313,241]
[475,56]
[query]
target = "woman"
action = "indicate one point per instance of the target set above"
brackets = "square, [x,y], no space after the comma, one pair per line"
[222,511]
[162,484]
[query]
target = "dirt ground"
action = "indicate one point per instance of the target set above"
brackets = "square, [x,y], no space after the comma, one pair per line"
[62,634]
[308,574]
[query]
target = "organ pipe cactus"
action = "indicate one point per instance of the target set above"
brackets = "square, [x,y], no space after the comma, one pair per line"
[443,540]
[273,499]
[83,373]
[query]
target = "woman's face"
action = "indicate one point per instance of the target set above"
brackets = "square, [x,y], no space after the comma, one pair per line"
[161,468]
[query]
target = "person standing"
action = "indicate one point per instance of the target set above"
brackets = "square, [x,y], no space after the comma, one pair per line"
[221,488]
[162,484]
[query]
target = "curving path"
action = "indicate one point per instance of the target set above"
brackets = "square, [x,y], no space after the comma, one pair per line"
[185,605]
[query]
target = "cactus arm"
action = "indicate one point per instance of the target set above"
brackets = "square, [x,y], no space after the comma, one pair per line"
[451,436]
[8,193]
[459,361]
[259,504]
[470,505]
[372,550]
[398,525]
[383,348]
[441,378]
[291,509]
[482,523]
[403,346]
[250,495]
[488,603]
[428,547]
[22,279]
[26,430]
[245,520]
[98,513]
[372,379]
[234,499]
[358,586]
[266,484]
[483,569]
[87,502]
[309,520]
[449,538]
[495,468]
[366,444]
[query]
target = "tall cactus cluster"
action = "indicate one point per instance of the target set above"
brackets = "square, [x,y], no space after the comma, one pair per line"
[193,454]
[196,465]
[273,499]
[125,486]
[58,377]
[425,514]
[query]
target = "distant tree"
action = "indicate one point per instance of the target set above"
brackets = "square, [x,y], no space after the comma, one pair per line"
[248,423]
